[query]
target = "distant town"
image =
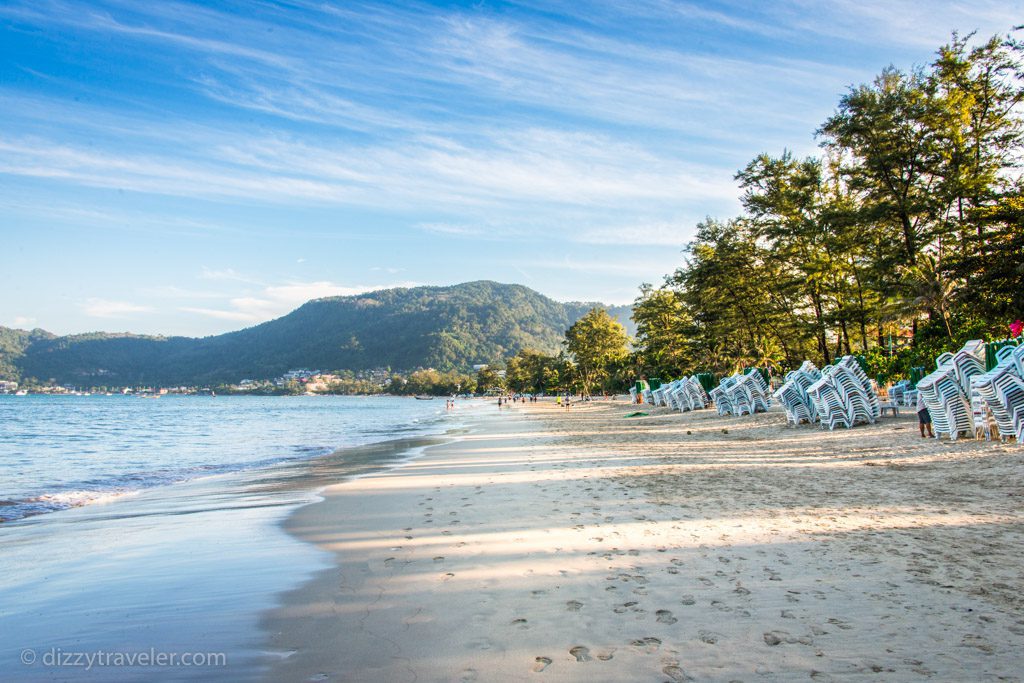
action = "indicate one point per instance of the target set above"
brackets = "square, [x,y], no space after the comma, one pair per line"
[298,381]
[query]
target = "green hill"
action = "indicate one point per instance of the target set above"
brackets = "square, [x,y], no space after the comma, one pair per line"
[406,328]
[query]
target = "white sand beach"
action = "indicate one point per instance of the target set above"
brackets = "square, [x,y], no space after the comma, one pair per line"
[556,545]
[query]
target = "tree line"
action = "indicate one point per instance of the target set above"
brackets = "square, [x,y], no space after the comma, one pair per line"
[904,238]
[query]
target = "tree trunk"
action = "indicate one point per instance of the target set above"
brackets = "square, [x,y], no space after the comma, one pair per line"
[908,238]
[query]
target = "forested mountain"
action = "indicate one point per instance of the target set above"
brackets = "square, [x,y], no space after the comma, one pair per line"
[405,328]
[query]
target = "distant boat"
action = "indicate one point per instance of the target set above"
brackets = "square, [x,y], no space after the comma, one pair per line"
[23,392]
[424,398]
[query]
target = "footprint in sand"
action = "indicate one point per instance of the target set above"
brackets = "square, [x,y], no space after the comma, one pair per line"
[469,675]
[675,673]
[439,558]
[665,617]
[573,605]
[706,582]
[840,623]
[582,654]
[709,637]
[480,644]
[648,645]
[541,663]
[688,600]
[520,623]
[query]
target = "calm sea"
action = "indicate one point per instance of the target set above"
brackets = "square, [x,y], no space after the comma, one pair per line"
[64,451]
[136,526]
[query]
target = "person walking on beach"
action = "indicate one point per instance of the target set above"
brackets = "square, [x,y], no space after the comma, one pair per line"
[924,419]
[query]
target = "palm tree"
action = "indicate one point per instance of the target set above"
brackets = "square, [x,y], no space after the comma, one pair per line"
[932,292]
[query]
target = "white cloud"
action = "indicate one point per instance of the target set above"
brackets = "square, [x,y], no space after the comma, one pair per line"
[674,233]
[23,321]
[276,300]
[637,268]
[223,274]
[239,316]
[455,229]
[104,308]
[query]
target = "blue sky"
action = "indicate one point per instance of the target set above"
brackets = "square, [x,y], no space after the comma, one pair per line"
[192,168]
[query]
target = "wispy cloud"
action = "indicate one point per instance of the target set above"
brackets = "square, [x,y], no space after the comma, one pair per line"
[231,274]
[104,308]
[276,300]
[654,233]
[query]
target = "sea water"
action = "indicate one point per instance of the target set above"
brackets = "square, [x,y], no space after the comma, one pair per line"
[151,527]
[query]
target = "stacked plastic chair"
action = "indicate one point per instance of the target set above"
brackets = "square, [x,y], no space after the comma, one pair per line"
[693,395]
[844,395]
[683,394]
[793,394]
[868,385]
[981,416]
[741,395]
[673,395]
[829,404]
[755,392]
[898,392]
[721,396]
[1002,389]
[946,391]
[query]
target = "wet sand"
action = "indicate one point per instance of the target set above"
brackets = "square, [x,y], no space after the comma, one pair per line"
[561,546]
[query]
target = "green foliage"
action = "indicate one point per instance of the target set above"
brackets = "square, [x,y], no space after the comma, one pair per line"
[598,343]
[488,379]
[13,344]
[533,372]
[664,332]
[911,227]
[432,382]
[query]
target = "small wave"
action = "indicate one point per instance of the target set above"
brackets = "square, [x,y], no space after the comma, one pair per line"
[11,510]
[52,496]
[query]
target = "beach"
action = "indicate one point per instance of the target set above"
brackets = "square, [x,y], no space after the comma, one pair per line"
[546,544]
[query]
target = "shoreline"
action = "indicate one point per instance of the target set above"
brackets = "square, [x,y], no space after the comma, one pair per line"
[178,568]
[557,545]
